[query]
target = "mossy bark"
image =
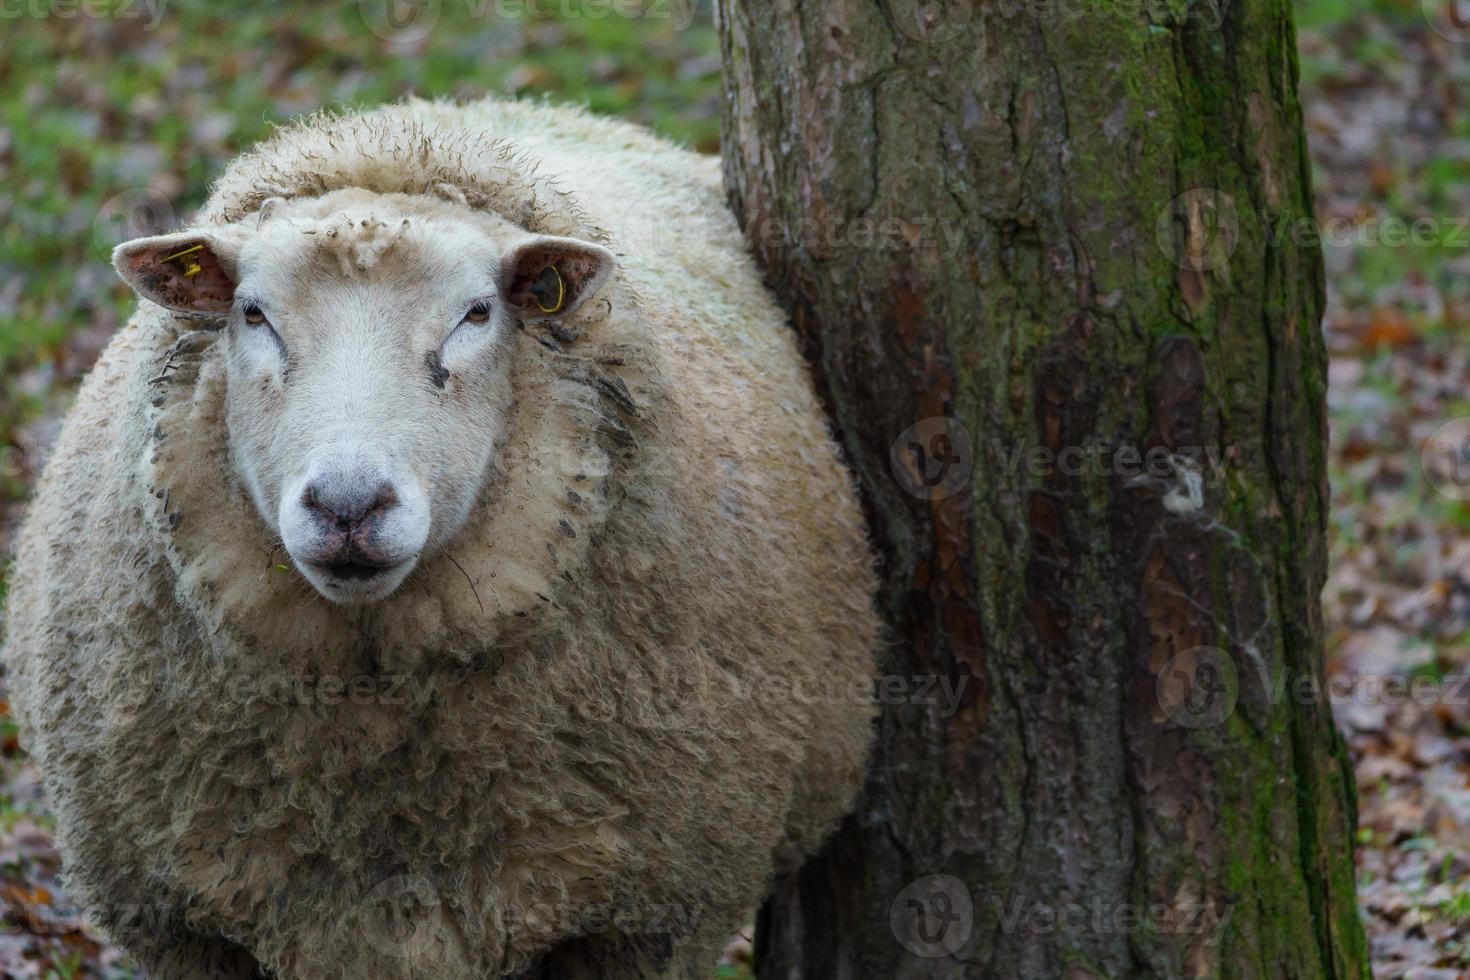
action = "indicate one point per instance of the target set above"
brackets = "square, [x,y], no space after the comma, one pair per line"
[1054,224]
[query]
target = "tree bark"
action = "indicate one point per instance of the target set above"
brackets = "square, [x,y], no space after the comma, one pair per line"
[1052,264]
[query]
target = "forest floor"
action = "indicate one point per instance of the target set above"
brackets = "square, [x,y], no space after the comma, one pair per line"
[90,157]
[1388,123]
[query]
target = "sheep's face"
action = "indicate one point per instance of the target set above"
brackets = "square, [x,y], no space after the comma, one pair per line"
[368,341]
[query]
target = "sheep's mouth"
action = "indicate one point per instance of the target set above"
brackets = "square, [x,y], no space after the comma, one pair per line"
[356,579]
[364,564]
[356,571]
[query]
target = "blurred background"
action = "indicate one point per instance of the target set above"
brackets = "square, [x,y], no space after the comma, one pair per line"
[115,115]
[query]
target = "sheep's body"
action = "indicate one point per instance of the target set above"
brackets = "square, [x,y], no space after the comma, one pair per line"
[636,679]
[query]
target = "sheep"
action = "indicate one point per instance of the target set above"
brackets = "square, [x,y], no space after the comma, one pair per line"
[448,572]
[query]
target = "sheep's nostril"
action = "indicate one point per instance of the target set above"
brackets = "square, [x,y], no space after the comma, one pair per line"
[345,506]
[384,500]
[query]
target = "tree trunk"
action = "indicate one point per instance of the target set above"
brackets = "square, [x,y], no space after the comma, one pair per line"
[1052,263]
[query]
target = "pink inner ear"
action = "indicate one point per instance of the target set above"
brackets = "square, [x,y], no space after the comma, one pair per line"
[168,281]
[576,268]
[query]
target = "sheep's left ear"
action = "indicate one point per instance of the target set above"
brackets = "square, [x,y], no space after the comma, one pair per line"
[189,272]
[548,276]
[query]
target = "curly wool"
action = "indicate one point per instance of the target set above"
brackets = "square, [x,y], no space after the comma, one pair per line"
[633,685]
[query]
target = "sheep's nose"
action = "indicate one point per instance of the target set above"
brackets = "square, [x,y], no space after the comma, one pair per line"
[347,505]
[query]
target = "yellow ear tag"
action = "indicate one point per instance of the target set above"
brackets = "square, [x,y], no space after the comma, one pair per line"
[549,286]
[191,269]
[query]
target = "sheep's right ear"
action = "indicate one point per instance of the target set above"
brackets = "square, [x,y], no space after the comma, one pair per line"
[188,272]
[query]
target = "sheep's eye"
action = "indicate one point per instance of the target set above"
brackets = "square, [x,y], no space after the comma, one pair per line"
[479,313]
[253,314]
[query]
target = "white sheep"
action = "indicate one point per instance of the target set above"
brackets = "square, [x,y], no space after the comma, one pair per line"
[448,572]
